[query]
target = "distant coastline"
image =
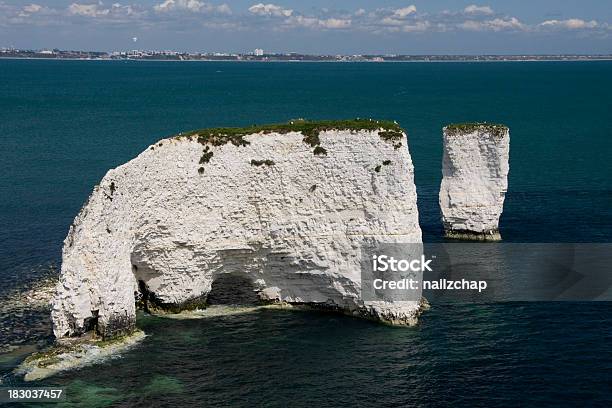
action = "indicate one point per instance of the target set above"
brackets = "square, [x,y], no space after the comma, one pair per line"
[305,61]
[136,55]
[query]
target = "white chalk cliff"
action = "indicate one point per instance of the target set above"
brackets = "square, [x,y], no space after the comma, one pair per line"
[287,208]
[474,180]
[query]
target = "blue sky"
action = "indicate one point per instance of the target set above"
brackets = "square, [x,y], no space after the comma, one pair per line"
[312,26]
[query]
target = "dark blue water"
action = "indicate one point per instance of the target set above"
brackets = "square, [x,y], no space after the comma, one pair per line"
[63,124]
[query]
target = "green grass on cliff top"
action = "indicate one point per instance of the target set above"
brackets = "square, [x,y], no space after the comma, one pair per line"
[496,129]
[310,129]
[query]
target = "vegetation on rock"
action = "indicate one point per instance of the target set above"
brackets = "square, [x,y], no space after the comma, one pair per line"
[258,163]
[388,131]
[318,151]
[206,155]
[457,129]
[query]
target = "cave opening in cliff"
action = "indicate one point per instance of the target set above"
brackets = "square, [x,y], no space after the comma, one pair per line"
[232,289]
[145,299]
[90,324]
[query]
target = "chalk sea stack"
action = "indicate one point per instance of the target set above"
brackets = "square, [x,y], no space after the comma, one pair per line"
[287,207]
[474,180]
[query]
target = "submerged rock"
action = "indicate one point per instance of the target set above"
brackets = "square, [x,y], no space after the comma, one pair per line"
[72,354]
[24,314]
[474,180]
[288,207]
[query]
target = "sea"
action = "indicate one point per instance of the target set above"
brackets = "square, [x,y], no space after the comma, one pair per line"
[63,124]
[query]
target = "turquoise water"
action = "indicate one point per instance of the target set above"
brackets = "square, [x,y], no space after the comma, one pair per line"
[63,124]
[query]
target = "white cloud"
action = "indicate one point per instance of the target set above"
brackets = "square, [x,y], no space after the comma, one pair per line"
[88,10]
[224,9]
[390,21]
[472,25]
[115,13]
[474,17]
[165,6]
[506,24]
[194,6]
[301,21]
[297,20]
[313,22]
[497,24]
[335,23]
[419,26]
[404,12]
[570,24]
[32,8]
[261,9]
[474,9]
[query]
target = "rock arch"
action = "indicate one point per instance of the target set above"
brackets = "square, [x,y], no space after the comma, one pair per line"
[178,216]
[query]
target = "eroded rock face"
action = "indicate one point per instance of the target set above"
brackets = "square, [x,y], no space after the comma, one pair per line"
[474,180]
[184,212]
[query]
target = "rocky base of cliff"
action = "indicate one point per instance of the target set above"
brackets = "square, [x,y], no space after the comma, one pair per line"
[464,235]
[400,315]
[89,349]
[74,353]
[380,312]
